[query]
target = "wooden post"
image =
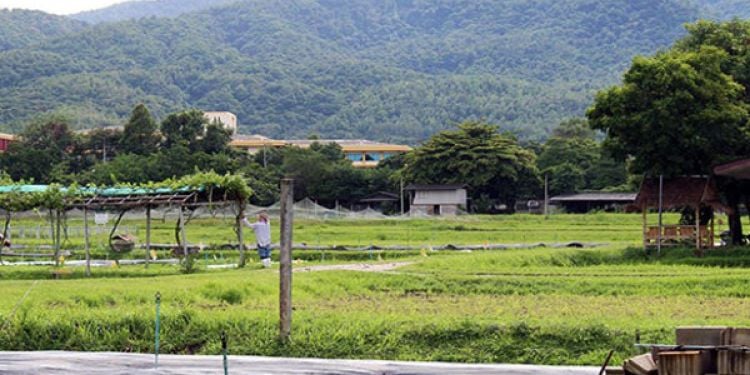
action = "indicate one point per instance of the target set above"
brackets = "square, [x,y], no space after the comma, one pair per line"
[148,234]
[661,209]
[86,245]
[56,239]
[546,196]
[240,232]
[644,210]
[711,244]
[182,235]
[285,273]
[698,227]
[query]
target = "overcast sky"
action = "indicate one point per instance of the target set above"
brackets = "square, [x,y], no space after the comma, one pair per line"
[58,6]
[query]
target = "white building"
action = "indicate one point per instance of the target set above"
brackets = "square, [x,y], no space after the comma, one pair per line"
[439,200]
[229,119]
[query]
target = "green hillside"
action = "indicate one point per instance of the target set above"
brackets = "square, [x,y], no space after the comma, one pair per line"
[22,28]
[394,70]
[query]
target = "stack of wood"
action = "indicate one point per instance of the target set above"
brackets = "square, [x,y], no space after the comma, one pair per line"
[640,365]
[699,351]
[736,359]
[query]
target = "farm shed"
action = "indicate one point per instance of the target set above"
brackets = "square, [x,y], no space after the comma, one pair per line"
[585,202]
[445,200]
[698,193]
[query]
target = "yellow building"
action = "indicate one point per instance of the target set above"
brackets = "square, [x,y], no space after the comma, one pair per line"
[362,153]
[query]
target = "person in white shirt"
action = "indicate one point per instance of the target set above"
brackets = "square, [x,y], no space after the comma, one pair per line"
[262,229]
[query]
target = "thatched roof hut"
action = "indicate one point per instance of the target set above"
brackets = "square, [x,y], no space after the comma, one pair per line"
[678,192]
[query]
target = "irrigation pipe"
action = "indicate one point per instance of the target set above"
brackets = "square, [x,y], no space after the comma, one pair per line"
[18,304]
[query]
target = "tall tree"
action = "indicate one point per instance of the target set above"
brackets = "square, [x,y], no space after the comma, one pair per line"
[216,140]
[492,164]
[675,113]
[684,110]
[140,135]
[184,128]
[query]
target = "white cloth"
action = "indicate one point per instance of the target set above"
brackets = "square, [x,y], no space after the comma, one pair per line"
[262,231]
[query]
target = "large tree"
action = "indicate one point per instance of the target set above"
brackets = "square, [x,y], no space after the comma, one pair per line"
[492,164]
[684,110]
[184,128]
[140,135]
[675,113]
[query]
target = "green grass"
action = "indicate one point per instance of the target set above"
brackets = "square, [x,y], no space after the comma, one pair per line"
[542,305]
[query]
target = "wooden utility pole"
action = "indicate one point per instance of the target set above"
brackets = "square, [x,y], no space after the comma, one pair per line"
[285,261]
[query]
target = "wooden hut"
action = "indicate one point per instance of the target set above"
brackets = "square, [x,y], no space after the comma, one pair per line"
[695,192]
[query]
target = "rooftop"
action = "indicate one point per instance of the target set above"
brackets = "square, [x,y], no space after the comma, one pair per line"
[595,197]
[435,187]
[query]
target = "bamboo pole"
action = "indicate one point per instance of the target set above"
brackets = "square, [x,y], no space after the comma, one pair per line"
[285,273]
[86,244]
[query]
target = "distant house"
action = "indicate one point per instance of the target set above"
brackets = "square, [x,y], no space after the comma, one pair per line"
[445,200]
[585,202]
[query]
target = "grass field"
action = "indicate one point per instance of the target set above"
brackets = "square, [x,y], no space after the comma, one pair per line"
[541,305]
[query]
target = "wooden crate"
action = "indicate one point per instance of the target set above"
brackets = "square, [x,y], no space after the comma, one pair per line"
[680,363]
[734,362]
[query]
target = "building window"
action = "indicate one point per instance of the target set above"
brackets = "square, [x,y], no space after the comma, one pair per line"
[354,156]
[373,156]
[388,155]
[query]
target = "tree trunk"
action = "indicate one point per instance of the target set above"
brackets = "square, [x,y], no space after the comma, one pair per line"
[735,222]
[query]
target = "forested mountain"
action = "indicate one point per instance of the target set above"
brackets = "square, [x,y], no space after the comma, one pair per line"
[146,8]
[20,28]
[396,70]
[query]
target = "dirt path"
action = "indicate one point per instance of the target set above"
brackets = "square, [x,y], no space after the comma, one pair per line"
[16,363]
[364,267]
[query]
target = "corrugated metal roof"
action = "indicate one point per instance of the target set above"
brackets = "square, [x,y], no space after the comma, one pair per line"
[596,197]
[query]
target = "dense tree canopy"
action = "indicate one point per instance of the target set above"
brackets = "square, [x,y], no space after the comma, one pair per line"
[675,113]
[493,165]
[140,133]
[574,161]
[684,110]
